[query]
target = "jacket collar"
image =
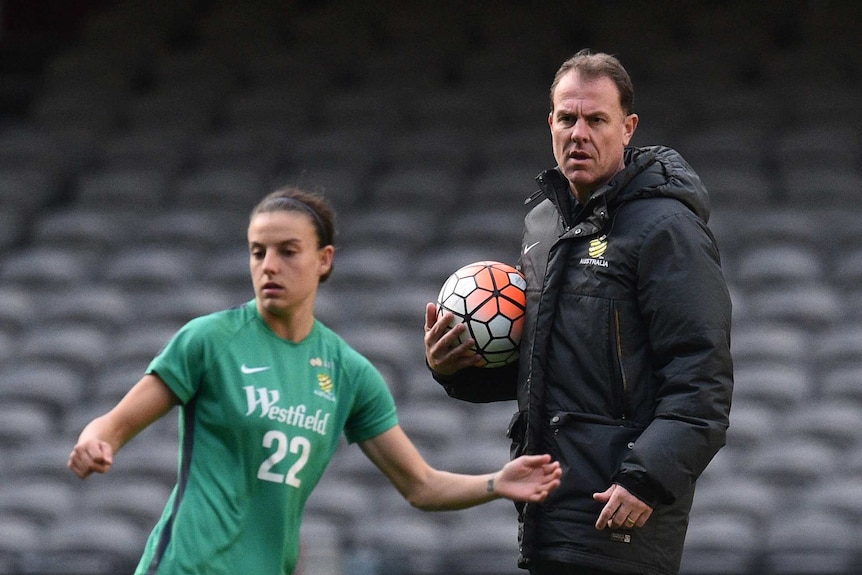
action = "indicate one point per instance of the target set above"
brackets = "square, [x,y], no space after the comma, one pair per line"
[649,172]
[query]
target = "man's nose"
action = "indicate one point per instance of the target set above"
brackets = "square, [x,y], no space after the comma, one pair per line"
[579,130]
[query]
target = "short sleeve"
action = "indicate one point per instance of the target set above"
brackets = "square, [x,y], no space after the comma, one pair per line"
[182,361]
[373,410]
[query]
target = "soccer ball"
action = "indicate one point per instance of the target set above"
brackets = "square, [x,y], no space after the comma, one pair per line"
[489,298]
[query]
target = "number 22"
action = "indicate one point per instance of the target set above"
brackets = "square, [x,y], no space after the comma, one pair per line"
[298,444]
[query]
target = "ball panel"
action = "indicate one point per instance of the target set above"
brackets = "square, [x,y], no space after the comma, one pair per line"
[490,298]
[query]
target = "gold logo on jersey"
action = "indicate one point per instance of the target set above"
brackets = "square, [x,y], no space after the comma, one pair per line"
[325,382]
[598,247]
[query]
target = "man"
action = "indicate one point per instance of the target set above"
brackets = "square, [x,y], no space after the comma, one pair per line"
[625,374]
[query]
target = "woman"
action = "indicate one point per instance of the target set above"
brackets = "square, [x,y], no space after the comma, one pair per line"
[265,392]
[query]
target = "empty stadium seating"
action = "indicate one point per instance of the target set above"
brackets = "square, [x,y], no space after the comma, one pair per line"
[125,186]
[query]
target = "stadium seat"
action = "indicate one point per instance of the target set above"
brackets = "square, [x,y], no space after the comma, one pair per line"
[44,459]
[285,104]
[139,343]
[140,268]
[525,147]
[437,263]
[721,544]
[484,541]
[749,500]
[159,150]
[151,458]
[262,148]
[411,229]
[23,421]
[778,265]
[838,496]
[810,542]
[848,268]
[17,307]
[819,145]
[843,383]
[139,501]
[184,302]
[118,187]
[94,107]
[435,429]
[89,227]
[100,308]
[199,228]
[487,228]
[19,539]
[38,380]
[90,544]
[727,188]
[11,227]
[759,341]
[474,455]
[838,345]
[343,186]
[224,188]
[76,347]
[772,383]
[502,185]
[33,149]
[35,267]
[441,149]
[42,501]
[188,106]
[424,188]
[321,547]
[812,306]
[797,464]
[751,425]
[833,422]
[815,185]
[374,266]
[341,501]
[412,540]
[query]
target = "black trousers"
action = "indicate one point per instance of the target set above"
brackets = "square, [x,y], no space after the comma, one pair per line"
[557,568]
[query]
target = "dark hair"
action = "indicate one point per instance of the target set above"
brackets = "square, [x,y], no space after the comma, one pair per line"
[316,207]
[592,66]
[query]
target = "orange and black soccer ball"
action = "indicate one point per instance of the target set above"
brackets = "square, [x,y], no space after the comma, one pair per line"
[489,297]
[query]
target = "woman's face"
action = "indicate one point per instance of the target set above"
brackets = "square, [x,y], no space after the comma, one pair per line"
[285,261]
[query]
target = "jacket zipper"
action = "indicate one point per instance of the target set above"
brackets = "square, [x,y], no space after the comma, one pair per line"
[619,355]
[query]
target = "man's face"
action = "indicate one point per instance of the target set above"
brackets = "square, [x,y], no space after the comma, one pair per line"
[589,131]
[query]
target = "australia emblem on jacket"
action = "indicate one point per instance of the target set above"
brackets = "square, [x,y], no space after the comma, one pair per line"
[597,249]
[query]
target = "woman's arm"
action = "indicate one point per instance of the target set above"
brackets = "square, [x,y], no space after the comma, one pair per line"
[146,402]
[527,478]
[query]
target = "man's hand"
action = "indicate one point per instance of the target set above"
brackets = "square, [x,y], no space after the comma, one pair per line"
[622,509]
[442,350]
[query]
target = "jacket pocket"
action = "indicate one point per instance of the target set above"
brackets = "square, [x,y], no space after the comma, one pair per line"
[591,449]
[616,364]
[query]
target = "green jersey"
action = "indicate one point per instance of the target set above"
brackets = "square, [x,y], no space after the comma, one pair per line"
[260,420]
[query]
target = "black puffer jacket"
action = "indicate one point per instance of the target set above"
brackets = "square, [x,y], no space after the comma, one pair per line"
[625,373]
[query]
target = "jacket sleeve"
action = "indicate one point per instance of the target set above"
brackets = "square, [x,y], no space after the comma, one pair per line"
[686,307]
[480,384]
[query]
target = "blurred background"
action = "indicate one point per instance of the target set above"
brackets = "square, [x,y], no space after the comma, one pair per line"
[136,135]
